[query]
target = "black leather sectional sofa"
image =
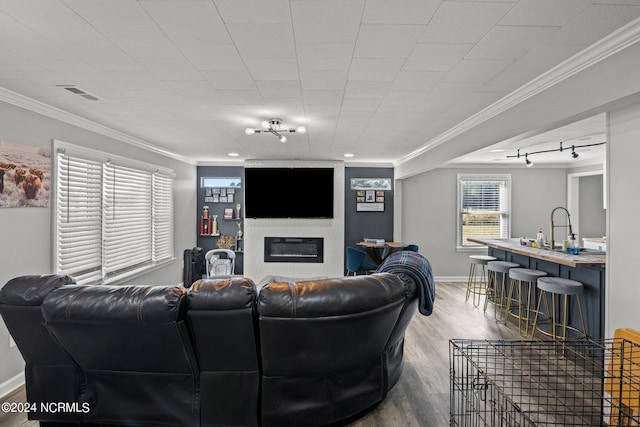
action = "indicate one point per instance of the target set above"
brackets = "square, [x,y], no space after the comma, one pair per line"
[218,354]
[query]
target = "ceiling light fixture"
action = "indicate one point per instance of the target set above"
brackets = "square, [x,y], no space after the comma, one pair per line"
[275,127]
[573,152]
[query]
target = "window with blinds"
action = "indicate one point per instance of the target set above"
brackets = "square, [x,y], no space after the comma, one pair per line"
[113,219]
[483,208]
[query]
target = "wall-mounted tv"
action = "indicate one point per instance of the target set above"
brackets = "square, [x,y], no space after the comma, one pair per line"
[288,192]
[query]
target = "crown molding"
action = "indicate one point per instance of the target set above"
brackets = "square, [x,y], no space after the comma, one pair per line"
[43,109]
[615,42]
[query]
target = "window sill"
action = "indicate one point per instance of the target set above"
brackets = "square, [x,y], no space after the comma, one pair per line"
[476,249]
[138,272]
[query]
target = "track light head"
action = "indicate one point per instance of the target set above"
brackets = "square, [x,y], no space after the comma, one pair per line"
[527,162]
[573,153]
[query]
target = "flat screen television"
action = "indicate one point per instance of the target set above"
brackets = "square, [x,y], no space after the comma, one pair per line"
[288,192]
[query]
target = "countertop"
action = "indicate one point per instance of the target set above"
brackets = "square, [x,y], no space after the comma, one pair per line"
[513,245]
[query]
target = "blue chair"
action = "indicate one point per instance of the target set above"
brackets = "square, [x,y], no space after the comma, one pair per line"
[412,248]
[356,262]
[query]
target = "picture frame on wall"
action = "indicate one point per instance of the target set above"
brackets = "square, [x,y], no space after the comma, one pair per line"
[227,213]
[371,184]
[370,196]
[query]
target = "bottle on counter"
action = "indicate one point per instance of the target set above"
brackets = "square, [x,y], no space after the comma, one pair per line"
[573,247]
[540,238]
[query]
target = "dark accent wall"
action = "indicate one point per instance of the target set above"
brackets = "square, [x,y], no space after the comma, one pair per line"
[360,225]
[225,226]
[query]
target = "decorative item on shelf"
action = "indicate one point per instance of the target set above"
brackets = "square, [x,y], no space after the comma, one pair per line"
[240,233]
[226,242]
[214,226]
[228,213]
[238,211]
[205,222]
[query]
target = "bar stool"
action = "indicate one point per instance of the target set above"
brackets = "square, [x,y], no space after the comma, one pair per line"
[565,288]
[521,278]
[478,286]
[496,289]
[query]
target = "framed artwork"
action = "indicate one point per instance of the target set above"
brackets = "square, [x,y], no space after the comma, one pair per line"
[25,175]
[370,207]
[229,198]
[216,198]
[231,191]
[228,213]
[371,184]
[233,182]
[370,196]
[223,192]
[223,199]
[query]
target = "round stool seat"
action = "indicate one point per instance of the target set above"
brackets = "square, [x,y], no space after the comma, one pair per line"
[558,285]
[501,266]
[525,274]
[481,259]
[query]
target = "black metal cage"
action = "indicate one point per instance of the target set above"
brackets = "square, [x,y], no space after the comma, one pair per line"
[544,383]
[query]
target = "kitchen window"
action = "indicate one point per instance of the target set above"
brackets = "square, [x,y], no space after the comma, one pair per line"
[484,206]
[114,216]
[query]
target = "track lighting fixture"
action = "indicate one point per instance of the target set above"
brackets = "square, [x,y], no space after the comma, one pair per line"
[274,126]
[574,155]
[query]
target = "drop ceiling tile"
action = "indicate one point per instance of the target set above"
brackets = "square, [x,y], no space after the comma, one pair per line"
[193,88]
[436,57]
[388,12]
[551,13]
[213,56]
[324,56]
[463,22]
[417,80]
[273,68]
[110,12]
[476,70]
[366,90]
[404,98]
[188,21]
[323,79]
[508,81]
[137,80]
[349,116]
[589,27]
[326,21]
[254,11]
[510,42]
[279,88]
[140,41]
[240,79]
[543,58]
[374,70]
[283,103]
[263,40]
[108,89]
[322,97]
[364,105]
[171,69]
[387,41]
[242,97]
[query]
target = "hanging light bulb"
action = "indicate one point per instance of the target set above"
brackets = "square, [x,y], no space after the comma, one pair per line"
[282,139]
[249,131]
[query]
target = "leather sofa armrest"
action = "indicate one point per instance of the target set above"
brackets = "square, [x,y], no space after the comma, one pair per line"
[32,290]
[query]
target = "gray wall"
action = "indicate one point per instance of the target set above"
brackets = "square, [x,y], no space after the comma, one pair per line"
[429,210]
[593,216]
[26,232]
[360,225]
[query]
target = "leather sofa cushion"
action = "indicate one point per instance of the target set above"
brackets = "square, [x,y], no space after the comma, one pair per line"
[118,304]
[32,290]
[330,297]
[222,294]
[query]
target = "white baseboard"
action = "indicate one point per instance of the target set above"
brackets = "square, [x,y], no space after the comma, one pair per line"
[451,278]
[11,384]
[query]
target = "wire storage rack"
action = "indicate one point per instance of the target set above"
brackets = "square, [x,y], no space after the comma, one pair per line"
[544,383]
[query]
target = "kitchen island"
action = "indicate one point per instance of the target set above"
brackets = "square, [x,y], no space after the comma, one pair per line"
[587,268]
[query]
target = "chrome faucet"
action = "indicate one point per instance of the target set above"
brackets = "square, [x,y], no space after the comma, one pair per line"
[568,225]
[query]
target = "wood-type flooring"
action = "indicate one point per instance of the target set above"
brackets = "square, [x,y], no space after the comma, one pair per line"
[421,396]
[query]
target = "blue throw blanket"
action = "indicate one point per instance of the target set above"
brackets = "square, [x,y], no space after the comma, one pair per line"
[418,269]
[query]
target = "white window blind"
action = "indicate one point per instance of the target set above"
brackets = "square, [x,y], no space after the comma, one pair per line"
[79,218]
[114,216]
[127,219]
[483,208]
[162,217]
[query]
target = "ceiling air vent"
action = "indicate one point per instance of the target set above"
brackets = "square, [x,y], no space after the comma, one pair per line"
[78,91]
